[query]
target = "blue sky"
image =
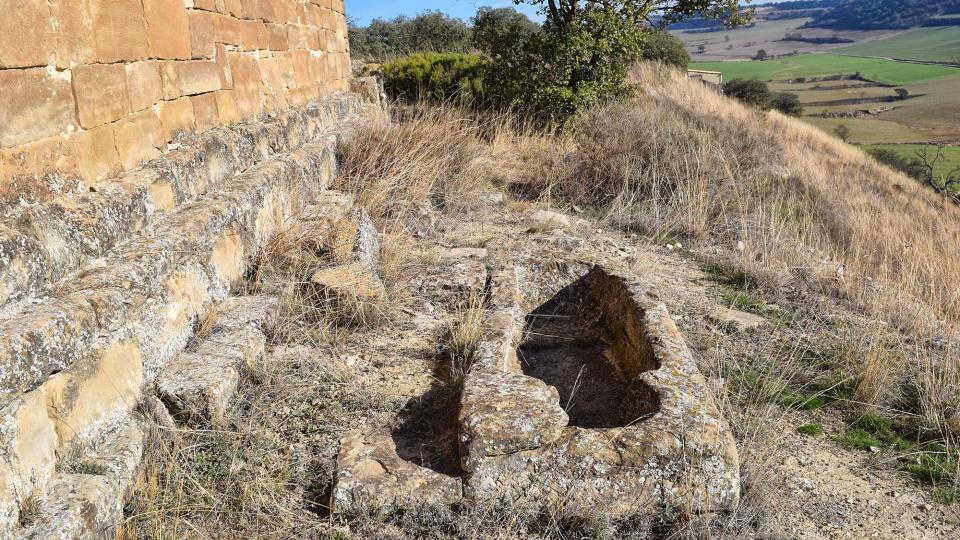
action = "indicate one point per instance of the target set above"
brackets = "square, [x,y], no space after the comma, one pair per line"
[364,10]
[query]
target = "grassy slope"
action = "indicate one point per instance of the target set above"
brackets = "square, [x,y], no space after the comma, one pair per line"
[941,44]
[824,64]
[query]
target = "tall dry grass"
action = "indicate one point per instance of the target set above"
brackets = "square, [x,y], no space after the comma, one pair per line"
[798,203]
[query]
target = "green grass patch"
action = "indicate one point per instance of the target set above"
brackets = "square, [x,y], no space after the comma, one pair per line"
[726,274]
[932,44]
[811,430]
[945,495]
[936,466]
[792,400]
[950,161]
[746,302]
[860,439]
[871,430]
[825,64]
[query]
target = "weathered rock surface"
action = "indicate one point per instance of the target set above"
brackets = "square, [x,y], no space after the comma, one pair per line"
[738,319]
[505,413]
[177,236]
[370,474]
[678,449]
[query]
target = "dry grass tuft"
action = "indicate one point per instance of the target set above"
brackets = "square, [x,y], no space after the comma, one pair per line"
[684,160]
[463,338]
[426,160]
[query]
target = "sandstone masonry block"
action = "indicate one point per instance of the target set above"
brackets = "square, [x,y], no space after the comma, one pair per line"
[144,85]
[139,137]
[176,118]
[203,29]
[73,31]
[168,32]
[197,77]
[227,112]
[119,30]
[101,93]
[34,105]
[97,153]
[33,45]
[205,111]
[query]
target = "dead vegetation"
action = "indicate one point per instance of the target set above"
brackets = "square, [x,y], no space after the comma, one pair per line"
[773,203]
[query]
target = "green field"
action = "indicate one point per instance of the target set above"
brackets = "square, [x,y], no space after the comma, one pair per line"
[825,64]
[938,44]
[950,153]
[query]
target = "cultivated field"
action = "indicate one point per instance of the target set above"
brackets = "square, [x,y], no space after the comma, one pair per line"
[825,64]
[939,44]
[743,43]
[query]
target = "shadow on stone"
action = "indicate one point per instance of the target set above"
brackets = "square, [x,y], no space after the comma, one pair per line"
[578,342]
[425,432]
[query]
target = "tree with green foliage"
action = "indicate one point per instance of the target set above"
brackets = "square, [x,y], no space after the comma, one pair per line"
[586,48]
[663,47]
[430,31]
[497,25]
[788,103]
[750,92]
[843,132]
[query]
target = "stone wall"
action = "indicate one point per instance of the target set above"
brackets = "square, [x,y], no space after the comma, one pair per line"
[90,88]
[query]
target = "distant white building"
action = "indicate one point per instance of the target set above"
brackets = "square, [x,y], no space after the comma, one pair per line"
[712,78]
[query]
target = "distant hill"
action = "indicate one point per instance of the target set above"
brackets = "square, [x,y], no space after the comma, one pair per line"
[876,14]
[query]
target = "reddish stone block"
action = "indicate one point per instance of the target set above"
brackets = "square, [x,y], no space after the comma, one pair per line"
[223,65]
[203,31]
[277,37]
[229,30]
[138,138]
[34,105]
[209,5]
[26,34]
[97,156]
[101,93]
[302,67]
[144,84]
[119,30]
[227,111]
[205,111]
[73,33]
[233,7]
[198,77]
[168,32]
[170,79]
[176,118]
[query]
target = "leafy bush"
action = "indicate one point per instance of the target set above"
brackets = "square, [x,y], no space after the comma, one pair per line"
[750,91]
[437,77]
[788,103]
[663,47]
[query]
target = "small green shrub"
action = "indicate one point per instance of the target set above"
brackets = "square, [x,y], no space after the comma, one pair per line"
[788,103]
[750,92]
[663,47]
[811,430]
[437,77]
